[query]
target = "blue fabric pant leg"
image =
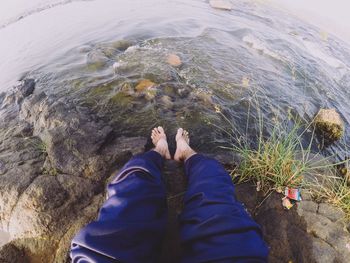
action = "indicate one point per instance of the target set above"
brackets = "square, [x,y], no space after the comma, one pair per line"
[214,226]
[131,223]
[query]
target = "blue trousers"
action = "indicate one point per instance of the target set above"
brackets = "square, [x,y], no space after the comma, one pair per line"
[131,223]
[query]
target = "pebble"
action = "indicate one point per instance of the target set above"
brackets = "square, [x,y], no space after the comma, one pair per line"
[221,4]
[206,98]
[144,84]
[174,60]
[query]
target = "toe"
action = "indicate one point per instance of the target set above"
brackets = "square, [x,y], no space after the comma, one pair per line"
[178,134]
[161,130]
[186,134]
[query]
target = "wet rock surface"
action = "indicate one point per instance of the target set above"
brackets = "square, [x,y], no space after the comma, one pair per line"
[56,158]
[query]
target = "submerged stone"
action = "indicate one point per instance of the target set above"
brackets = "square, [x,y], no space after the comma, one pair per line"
[144,85]
[150,94]
[174,60]
[84,49]
[127,88]
[169,90]
[329,125]
[101,90]
[167,102]
[183,92]
[122,99]
[96,60]
[221,4]
[122,45]
[206,98]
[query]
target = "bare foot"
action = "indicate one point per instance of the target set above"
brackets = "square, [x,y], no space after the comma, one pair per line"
[159,140]
[183,150]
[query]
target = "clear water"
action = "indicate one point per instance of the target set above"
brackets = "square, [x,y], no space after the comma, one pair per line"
[70,47]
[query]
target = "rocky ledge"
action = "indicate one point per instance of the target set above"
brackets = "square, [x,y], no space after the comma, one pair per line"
[56,158]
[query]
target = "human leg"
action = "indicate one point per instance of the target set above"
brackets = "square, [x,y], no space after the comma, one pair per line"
[214,226]
[131,223]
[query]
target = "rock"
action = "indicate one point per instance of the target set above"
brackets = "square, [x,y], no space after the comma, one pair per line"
[325,250]
[78,221]
[122,45]
[4,238]
[167,101]
[10,253]
[122,99]
[329,125]
[127,89]
[168,90]
[332,213]
[26,88]
[144,85]
[19,92]
[150,94]
[309,206]
[84,49]
[305,233]
[182,91]
[174,60]
[96,60]
[65,129]
[221,4]
[56,157]
[205,97]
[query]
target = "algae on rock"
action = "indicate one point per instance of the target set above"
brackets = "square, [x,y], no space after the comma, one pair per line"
[329,125]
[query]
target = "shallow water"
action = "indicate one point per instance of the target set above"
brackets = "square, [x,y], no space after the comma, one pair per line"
[252,53]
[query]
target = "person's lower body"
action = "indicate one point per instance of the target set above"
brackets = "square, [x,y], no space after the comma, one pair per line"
[214,226]
[131,223]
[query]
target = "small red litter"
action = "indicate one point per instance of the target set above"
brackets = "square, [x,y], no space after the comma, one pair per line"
[293,193]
